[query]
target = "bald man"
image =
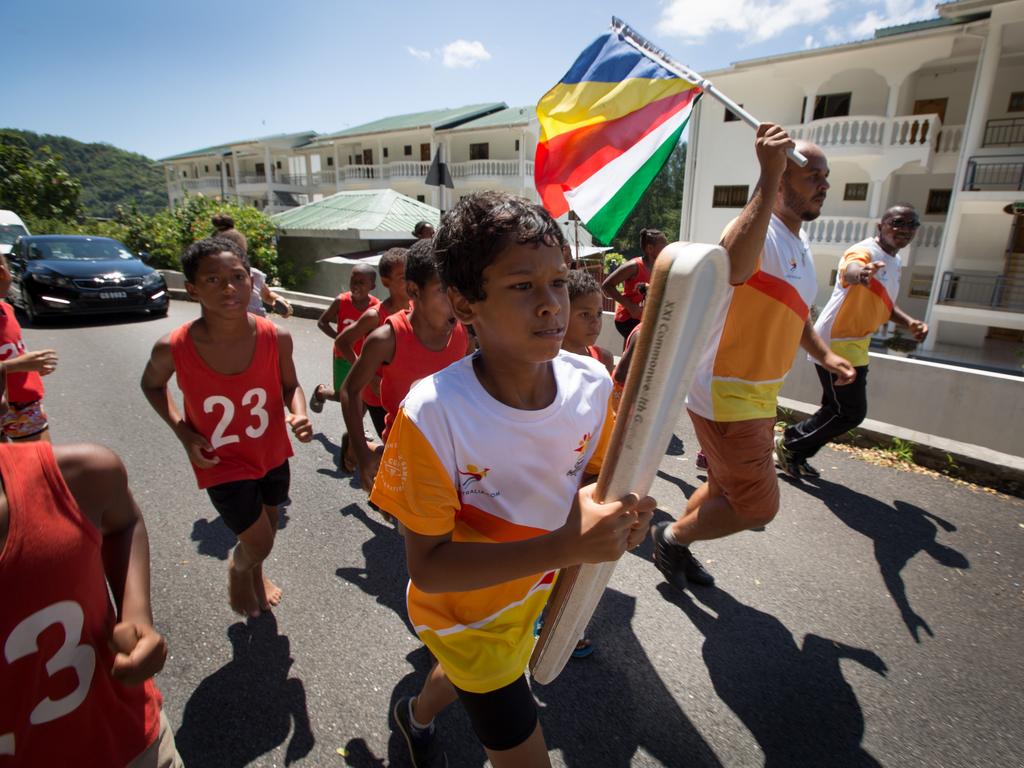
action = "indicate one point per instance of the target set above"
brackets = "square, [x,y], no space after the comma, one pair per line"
[754,339]
[867,286]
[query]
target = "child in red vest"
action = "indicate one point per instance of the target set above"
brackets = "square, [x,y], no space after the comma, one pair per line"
[77,670]
[236,373]
[411,345]
[633,275]
[25,418]
[350,341]
[344,311]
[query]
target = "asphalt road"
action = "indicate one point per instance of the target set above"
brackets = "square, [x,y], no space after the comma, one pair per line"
[876,621]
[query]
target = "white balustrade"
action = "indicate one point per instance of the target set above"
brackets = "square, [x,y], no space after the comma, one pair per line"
[362,172]
[318,178]
[208,182]
[408,169]
[485,168]
[929,235]
[868,132]
[839,230]
[949,139]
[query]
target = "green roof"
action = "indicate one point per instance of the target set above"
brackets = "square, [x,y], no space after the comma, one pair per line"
[368,210]
[292,139]
[435,118]
[502,118]
[917,26]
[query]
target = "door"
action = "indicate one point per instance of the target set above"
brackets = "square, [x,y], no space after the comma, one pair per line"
[425,153]
[930,107]
[367,157]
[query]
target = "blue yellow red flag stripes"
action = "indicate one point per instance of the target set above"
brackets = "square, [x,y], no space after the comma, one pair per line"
[606,130]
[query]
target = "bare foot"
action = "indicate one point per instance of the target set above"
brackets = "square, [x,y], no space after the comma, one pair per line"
[267,592]
[241,595]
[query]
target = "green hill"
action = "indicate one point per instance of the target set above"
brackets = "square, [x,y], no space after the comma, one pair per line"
[109,176]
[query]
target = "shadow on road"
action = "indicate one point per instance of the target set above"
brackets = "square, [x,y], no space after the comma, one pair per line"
[603,710]
[794,700]
[249,706]
[898,532]
[384,577]
[215,539]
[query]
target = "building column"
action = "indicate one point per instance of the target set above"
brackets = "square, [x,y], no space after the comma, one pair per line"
[269,170]
[238,177]
[223,178]
[337,168]
[974,133]
[522,162]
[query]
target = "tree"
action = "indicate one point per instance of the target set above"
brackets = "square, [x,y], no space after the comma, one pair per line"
[659,208]
[35,184]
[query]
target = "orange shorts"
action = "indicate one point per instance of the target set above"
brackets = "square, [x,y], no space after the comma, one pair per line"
[740,463]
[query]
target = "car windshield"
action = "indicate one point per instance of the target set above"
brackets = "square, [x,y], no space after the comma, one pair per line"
[84,249]
[11,232]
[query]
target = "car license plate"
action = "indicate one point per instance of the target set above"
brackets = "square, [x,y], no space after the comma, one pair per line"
[113,294]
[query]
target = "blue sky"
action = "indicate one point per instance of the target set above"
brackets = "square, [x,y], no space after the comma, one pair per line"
[161,78]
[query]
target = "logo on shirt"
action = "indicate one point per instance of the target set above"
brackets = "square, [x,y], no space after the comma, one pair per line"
[581,451]
[393,472]
[473,474]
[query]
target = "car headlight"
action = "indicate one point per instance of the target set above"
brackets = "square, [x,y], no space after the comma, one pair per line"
[152,280]
[52,278]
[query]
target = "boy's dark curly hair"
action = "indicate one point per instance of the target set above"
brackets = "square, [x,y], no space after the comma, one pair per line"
[420,266]
[478,228]
[210,246]
[390,259]
[581,283]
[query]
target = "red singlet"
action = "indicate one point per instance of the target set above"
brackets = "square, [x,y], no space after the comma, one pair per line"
[348,314]
[369,396]
[629,289]
[22,388]
[412,361]
[242,415]
[59,705]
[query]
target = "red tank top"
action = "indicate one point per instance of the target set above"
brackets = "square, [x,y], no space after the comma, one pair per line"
[369,396]
[242,415]
[348,314]
[594,352]
[22,388]
[412,362]
[629,289]
[59,705]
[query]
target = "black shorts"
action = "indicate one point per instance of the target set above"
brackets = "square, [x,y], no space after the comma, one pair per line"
[240,502]
[625,327]
[502,719]
[377,414]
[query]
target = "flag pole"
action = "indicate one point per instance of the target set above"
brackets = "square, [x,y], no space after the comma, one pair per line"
[656,54]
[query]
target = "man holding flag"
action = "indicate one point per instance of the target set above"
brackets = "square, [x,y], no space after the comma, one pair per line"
[754,339]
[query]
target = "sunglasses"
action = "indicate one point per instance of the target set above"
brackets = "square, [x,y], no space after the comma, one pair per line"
[904,223]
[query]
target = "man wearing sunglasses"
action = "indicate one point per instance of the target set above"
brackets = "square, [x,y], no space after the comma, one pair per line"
[867,286]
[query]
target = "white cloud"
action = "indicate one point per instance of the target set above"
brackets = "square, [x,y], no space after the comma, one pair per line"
[464,54]
[417,53]
[693,20]
[810,42]
[896,12]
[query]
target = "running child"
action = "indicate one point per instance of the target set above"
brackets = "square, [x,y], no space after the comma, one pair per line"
[78,669]
[634,274]
[412,344]
[24,418]
[585,316]
[236,373]
[483,467]
[342,312]
[350,341]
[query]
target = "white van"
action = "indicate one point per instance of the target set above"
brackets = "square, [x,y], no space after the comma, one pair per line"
[11,228]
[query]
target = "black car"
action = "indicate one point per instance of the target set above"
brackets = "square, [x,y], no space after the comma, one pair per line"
[56,275]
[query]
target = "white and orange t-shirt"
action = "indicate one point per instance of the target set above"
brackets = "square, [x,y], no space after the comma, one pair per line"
[854,312]
[459,462]
[756,333]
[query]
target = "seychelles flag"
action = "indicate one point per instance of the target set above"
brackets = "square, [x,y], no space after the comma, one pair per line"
[606,130]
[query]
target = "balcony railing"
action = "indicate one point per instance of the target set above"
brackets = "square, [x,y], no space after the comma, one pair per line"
[207,183]
[1005,132]
[407,169]
[978,290]
[291,179]
[948,140]
[869,132]
[319,178]
[985,174]
[844,231]
[472,168]
[253,178]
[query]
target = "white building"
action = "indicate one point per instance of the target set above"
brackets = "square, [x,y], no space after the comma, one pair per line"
[930,113]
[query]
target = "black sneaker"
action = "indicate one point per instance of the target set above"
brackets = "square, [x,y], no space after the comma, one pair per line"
[784,459]
[805,469]
[424,751]
[676,563]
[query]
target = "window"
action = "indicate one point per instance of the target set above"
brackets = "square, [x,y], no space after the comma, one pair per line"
[479,151]
[938,200]
[832,105]
[385,153]
[278,165]
[407,150]
[330,162]
[421,198]
[517,145]
[350,159]
[730,197]
[218,167]
[833,276]
[1016,102]
[855,192]
[920,285]
[184,174]
[206,169]
[730,116]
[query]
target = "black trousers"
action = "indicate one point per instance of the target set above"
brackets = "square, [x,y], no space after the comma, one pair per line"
[842,409]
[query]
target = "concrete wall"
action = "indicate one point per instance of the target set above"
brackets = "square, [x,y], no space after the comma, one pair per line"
[305,252]
[932,402]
